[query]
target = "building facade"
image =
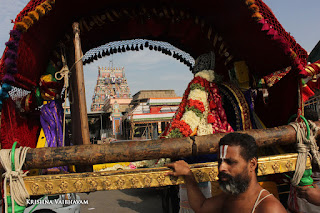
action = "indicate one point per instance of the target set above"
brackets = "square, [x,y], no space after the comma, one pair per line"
[151,111]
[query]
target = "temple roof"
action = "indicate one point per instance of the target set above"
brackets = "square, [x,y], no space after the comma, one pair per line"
[146,94]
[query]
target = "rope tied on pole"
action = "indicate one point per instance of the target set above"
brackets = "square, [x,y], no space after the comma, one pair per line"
[306,146]
[12,161]
[64,74]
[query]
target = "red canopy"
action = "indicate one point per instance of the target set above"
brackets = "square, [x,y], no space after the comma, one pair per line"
[235,30]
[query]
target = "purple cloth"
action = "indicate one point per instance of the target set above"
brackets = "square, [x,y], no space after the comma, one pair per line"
[249,96]
[51,119]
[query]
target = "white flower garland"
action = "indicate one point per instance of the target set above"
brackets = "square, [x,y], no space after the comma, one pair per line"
[191,119]
[202,125]
[204,128]
[206,74]
[199,95]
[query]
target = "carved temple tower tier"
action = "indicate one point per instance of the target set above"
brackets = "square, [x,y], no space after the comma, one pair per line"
[111,85]
[111,98]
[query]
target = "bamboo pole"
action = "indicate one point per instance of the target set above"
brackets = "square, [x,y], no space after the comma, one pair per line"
[144,150]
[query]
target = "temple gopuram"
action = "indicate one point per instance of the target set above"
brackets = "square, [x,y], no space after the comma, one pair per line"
[110,100]
[111,87]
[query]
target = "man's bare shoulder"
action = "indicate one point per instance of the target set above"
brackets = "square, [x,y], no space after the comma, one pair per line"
[270,205]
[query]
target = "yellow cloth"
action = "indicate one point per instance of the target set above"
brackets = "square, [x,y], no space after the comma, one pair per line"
[41,140]
[40,144]
[242,74]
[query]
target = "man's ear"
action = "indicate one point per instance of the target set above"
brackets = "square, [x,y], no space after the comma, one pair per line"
[253,164]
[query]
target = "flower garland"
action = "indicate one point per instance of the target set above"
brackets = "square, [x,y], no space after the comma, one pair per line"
[180,128]
[206,74]
[200,112]
[191,119]
[196,104]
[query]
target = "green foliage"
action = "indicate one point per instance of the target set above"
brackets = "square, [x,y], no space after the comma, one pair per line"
[197,86]
[175,133]
[196,111]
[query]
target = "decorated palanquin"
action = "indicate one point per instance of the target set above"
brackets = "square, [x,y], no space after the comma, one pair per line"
[52,40]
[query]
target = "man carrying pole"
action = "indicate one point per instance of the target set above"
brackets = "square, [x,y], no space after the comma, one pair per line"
[238,161]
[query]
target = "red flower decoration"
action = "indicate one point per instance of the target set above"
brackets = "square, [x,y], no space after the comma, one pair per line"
[212,105]
[211,118]
[178,116]
[203,82]
[183,127]
[196,104]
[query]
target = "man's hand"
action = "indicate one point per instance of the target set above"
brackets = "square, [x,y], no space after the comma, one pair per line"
[180,168]
[195,197]
[312,195]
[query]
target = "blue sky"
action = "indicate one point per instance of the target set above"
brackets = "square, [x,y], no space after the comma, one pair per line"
[153,70]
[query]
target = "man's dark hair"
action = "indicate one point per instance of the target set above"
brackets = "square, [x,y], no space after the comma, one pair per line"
[310,114]
[249,148]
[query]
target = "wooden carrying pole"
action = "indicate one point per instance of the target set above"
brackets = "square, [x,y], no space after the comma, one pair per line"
[144,150]
[80,127]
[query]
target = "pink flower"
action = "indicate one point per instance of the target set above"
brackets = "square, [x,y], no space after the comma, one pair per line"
[131,166]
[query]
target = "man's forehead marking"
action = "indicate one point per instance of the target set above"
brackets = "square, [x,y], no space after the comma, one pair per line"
[223,151]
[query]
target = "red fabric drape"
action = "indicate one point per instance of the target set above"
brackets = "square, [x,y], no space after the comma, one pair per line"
[14,127]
